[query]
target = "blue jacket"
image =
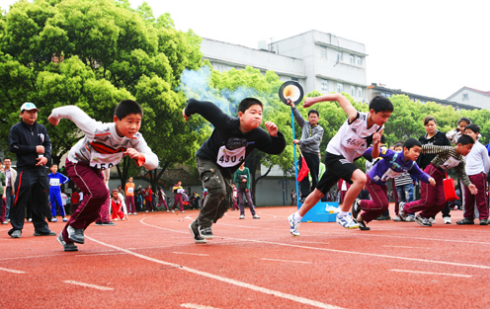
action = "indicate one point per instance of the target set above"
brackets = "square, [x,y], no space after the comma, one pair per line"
[55,180]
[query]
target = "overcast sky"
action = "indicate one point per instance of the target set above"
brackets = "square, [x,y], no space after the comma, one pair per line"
[426,47]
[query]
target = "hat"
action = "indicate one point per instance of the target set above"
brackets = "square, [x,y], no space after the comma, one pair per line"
[28,106]
[115,190]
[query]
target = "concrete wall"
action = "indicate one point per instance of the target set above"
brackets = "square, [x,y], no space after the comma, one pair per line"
[474,98]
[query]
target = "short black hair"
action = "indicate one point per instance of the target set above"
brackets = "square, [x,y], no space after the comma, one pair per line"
[313,111]
[127,107]
[428,119]
[473,127]
[465,119]
[465,140]
[247,102]
[54,165]
[398,144]
[411,142]
[6,159]
[380,104]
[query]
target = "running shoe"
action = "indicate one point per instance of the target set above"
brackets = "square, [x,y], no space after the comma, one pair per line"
[356,209]
[363,226]
[242,217]
[65,219]
[484,222]
[432,220]
[447,220]
[422,221]
[401,213]
[256,216]
[75,235]
[347,222]
[397,219]
[16,234]
[50,233]
[66,246]
[205,232]
[54,220]
[410,218]
[293,225]
[195,233]
[466,221]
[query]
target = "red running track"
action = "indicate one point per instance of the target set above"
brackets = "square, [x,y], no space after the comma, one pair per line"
[151,261]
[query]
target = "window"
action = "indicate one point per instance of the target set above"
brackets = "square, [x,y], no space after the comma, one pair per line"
[324,85]
[359,61]
[352,91]
[352,59]
[340,87]
[340,56]
[323,52]
[359,92]
[465,96]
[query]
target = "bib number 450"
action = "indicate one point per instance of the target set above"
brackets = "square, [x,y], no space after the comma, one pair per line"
[102,166]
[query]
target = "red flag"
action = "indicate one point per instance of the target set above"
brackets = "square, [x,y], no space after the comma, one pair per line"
[304,170]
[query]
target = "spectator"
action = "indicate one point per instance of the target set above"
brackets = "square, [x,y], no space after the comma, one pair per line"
[161,198]
[139,199]
[178,190]
[293,197]
[129,189]
[242,180]
[148,195]
[116,202]
[75,200]
[11,176]
[3,206]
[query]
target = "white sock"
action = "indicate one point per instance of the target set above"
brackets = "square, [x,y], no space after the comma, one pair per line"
[342,213]
[297,217]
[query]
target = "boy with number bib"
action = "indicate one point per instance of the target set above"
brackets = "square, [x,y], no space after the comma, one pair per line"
[232,140]
[55,181]
[351,141]
[433,199]
[392,165]
[103,146]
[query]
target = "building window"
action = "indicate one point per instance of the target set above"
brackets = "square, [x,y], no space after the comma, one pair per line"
[340,87]
[352,59]
[359,61]
[323,52]
[359,93]
[352,91]
[465,96]
[340,56]
[324,85]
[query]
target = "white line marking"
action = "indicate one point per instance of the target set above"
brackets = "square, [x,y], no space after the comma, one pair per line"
[97,254]
[312,242]
[12,271]
[191,253]
[338,251]
[406,247]
[88,285]
[196,306]
[300,262]
[223,279]
[429,273]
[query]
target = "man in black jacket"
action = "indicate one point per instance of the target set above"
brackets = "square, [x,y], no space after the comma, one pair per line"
[29,140]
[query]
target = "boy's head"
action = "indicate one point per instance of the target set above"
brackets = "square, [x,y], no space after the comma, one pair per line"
[127,117]
[465,143]
[411,149]
[54,168]
[398,146]
[380,109]
[250,114]
[473,130]
[463,122]
[313,117]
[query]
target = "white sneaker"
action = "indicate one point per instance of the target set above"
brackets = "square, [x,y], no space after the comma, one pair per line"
[293,225]
[432,221]
[410,218]
[168,210]
[134,213]
[183,212]
[242,216]
[447,220]
[347,222]
[147,211]
[173,211]
[397,219]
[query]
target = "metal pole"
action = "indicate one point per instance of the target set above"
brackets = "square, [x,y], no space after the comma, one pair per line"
[295,165]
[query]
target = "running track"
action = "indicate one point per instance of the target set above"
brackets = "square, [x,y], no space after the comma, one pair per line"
[151,261]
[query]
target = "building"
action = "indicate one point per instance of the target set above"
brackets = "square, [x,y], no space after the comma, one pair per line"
[317,60]
[473,97]
[374,90]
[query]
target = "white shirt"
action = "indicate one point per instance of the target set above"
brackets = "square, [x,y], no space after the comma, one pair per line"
[477,161]
[102,147]
[352,139]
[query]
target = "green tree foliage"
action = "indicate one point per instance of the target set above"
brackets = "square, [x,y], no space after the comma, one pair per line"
[94,53]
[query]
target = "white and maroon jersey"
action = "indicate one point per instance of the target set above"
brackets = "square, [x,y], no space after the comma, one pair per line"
[102,147]
[352,139]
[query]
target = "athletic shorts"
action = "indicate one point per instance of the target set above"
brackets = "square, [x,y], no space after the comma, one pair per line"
[336,167]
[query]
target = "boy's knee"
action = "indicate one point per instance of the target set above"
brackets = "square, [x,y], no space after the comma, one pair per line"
[360,179]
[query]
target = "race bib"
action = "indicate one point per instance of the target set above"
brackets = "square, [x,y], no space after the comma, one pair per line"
[103,161]
[229,158]
[450,163]
[54,182]
[389,174]
[130,190]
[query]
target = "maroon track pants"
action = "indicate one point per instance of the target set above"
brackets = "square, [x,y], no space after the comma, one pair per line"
[178,200]
[433,199]
[130,204]
[95,193]
[480,181]
[371,209]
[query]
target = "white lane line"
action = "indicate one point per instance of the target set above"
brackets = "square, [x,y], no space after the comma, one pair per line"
[12,271]
[338,251]
[406,247]
[312,242]
[295,298]
[97,254]
[430,273]
[196,306]
[191,253]
[88,285]
[299,262]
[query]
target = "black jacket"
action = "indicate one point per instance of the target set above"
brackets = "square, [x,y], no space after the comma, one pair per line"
[23,140]
[439,139]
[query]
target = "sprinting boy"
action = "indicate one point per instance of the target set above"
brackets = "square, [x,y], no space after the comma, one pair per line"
[351,141]
[232,140]
[103,146]
[433,198]
[56,180]
[477,166]
[393,164]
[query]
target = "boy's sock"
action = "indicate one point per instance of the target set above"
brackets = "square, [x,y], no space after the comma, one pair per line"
[342,213]
[297,217]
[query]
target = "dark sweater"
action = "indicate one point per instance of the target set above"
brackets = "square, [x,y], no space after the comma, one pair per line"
[24,138]
[439,139]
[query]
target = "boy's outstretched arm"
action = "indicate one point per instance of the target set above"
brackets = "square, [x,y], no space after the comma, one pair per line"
[274,142]
[343,102]
[210,111]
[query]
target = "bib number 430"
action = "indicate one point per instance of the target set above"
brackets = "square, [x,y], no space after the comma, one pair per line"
[232,159]
[229,158]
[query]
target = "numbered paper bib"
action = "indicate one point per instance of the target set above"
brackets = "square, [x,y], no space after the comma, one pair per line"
[130,190]
[103,161]
[389,174]
[229,158]
[54,182]
[450,163]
